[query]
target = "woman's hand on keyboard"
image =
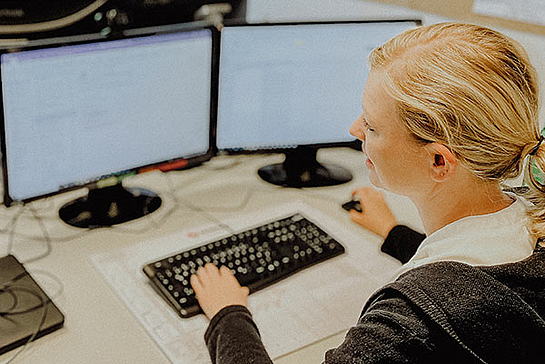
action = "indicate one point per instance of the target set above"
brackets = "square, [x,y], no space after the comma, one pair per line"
[217,288]
[376,216]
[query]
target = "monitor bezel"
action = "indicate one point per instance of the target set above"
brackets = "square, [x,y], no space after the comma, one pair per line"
[178,163]
[354,144]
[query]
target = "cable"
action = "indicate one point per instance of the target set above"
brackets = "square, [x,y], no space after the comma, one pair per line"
[11,236]
[10,287]
[4,287]
[43,305]
[59,291]
[13,224]
[47,237]
[154,223]
[177,201]
[13,296]
[52,24]
[13,280]
[13,310]
[209,217]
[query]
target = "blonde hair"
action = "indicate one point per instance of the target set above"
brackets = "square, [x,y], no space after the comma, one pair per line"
[475,91]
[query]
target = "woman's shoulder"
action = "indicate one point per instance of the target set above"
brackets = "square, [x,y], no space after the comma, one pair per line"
[533,266]
[479,305]
[518,284]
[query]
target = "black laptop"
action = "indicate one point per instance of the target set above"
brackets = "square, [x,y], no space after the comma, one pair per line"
[25,309]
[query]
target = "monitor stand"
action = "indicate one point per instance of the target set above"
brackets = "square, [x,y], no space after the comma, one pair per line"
[301,169]
[109,206]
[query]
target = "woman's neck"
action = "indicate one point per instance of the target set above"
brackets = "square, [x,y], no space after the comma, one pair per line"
[447,203]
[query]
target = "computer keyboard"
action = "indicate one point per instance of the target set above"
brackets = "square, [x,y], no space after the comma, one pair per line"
[258,257]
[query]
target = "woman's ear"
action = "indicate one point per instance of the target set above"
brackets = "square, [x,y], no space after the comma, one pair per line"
[442,163]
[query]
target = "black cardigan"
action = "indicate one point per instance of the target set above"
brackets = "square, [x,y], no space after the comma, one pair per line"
[444,312]
[402,243]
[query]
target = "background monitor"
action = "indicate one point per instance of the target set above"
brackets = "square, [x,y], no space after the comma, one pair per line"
[91,113]
[294,88]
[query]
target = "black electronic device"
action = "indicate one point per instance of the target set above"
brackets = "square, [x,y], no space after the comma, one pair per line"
[26,310]
[258,257]
[294,88]
[38,19]
[352,205]
[86,111]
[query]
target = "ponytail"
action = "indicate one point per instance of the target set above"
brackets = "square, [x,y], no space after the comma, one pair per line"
[535,179]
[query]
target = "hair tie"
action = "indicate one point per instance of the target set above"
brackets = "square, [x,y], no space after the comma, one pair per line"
[536,148]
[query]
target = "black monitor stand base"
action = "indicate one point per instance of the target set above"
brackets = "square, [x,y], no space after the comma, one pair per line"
[109,206]
[301,169]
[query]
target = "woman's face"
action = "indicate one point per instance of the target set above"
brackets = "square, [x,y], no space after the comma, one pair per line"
[396,161]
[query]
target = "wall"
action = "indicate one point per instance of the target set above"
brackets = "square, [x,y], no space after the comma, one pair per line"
[463,10]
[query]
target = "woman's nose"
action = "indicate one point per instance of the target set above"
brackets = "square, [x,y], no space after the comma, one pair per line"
[356,130]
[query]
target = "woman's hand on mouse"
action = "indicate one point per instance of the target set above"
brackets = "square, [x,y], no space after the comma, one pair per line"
[217,288]
[376,216]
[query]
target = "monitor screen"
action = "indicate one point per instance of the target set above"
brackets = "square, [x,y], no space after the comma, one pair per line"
[76,114]
[288,85]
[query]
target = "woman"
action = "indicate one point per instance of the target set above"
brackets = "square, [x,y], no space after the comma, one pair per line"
[476,123]
[449,112]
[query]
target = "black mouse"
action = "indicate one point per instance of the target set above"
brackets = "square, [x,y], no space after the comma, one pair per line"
[352,205]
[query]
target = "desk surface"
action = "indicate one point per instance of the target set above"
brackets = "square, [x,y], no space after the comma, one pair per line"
[99,328]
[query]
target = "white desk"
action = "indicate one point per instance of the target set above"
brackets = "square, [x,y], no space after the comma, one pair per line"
[99,328]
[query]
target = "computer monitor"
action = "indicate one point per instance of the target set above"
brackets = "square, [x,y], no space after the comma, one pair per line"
[294,88]
[88,112]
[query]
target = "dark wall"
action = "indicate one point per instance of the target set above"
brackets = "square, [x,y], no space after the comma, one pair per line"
[40,19]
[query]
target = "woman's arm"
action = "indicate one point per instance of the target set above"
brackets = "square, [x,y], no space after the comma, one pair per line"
[391,330]
[400,241]
[233,338]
